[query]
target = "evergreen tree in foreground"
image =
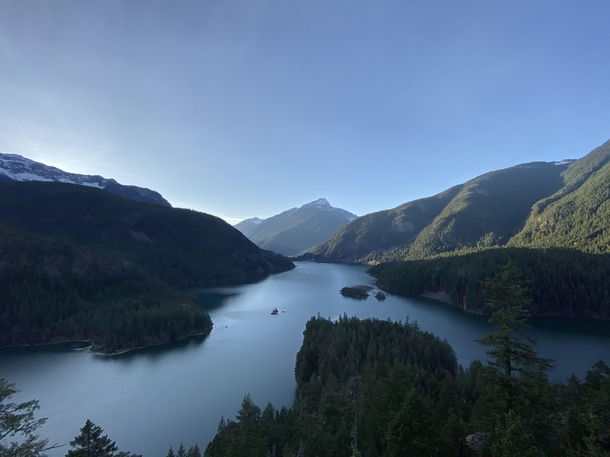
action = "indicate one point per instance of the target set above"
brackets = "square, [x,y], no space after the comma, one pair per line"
[182,452]
[91,443]
[516,401]
[17,420]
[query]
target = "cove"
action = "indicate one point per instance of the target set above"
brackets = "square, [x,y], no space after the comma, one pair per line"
[151,399]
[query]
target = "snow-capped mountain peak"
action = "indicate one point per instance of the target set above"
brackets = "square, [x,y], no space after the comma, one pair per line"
[297,229]
[18,168]
[14,167]
[322,204]
[564,162]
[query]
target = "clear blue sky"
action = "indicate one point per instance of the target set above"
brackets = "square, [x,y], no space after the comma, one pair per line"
[248,108]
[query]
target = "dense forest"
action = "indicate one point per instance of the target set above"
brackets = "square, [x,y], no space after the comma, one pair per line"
[381,388]
[81,264]
[378,388]
[560,282]
[577,215]
[180,247]
[52,291]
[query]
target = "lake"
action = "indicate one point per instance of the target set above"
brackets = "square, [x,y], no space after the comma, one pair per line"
[151,399]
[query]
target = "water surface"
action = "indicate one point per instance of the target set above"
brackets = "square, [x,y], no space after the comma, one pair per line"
[154,398]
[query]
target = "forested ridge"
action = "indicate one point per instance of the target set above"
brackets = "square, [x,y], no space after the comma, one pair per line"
[538,204]
[180,247]
[560,282]
[52,291]
[578,216]
[81,264]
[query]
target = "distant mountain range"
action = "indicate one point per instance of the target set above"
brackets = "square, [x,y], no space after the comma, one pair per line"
[248,225]
[14,167]
[540,204]
[298,229]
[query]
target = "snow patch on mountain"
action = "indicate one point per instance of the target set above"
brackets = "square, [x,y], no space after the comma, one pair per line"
[322,204]
[18,168]
[296,230]
[565,162]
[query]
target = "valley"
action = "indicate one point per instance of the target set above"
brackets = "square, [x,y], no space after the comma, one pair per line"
[304,229]
[165,288]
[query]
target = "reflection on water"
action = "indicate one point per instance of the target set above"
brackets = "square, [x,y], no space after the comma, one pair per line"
[575,326]
[210,300]
[153,398]
[156,353]
[46,349]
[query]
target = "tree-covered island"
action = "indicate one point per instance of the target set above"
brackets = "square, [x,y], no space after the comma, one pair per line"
[353,292]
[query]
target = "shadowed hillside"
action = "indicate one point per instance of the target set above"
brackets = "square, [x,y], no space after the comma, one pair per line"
[180,247]
[53,291]
[383,230]
[559,282]
[81,264]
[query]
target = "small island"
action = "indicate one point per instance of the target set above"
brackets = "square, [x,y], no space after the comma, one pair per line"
[380,296]
[354,292]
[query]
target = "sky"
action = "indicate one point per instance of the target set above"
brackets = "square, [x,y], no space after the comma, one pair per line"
[248,108]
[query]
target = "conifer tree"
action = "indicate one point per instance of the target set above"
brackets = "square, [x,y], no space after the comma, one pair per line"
[515,392]
[593,412]
[17,420]
[91,443]
[251,438]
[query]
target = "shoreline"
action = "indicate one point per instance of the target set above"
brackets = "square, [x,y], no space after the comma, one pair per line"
[440,297]
[125,351]
[90,345]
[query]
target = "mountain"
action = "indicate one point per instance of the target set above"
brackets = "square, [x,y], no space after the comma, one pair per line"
[181,247]
[54,291]
[577,216]
[298,229]
[248,225]
[485,211]
[540,204]
[14,167]
[79,263]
